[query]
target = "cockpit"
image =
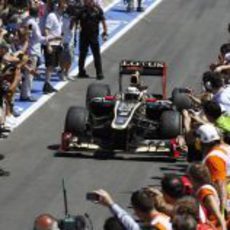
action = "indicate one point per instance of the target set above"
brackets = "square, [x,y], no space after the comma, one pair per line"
[132,94]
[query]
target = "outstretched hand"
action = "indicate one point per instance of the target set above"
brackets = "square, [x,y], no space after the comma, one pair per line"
[105,197]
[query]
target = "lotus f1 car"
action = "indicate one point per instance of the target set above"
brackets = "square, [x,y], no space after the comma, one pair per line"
[132,120]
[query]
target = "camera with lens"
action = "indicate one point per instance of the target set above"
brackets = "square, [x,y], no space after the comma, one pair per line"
[8,70]
[11,34]
[72,222]
[4,87]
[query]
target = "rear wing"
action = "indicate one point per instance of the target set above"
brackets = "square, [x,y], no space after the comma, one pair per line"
[147,68]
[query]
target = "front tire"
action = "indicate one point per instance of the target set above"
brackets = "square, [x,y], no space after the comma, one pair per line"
[76,119]
[96,90]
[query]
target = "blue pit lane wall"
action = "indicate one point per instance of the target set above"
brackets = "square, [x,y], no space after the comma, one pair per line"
[119,21]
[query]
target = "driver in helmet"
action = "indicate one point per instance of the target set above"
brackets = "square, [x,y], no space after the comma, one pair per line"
[46,222]
[135,90]
[135,81]
[132,93]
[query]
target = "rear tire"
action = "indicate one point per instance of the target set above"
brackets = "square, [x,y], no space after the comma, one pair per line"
[76,120]
[181,100]
[170,124]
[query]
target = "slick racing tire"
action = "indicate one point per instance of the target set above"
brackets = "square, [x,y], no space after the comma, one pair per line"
[75,122]
[181,100]
[96,90]
[170,124]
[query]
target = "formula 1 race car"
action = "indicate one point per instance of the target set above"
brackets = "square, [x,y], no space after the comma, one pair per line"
[132,120]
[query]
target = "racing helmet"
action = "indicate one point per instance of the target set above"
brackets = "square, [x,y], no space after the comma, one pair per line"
[132,93]
[208,133]
[135,79]
[45,221]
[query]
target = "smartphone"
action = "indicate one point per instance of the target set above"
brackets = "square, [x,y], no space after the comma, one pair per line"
[92,196]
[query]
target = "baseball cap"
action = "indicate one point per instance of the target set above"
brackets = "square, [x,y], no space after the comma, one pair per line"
[208,133]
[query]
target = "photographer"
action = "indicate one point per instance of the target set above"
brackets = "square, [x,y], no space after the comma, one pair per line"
[3,89]
[11,77]
[102,197]
[21,49]
[11,67]
[5,68]
[143,206]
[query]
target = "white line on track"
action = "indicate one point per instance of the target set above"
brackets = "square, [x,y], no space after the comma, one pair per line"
[106,45]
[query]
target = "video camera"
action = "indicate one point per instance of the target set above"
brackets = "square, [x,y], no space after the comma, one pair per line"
[7,72]
[71,222]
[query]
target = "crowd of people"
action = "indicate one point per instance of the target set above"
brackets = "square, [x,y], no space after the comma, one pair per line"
[38,33]
[200,199]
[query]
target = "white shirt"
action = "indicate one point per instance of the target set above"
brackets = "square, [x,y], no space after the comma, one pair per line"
[54,23]
[68,33]
[36,38]
[130,224]
[223,98]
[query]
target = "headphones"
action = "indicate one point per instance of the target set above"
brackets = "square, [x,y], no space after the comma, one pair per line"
[207,86]
[211,81]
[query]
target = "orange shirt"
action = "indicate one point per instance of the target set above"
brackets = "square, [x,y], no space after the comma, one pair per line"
[202,193]
[161,221]
[216,161]
[217,168]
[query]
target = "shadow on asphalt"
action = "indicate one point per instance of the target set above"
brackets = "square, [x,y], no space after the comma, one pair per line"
[105,155]
[157,178]
[54,147]
[120,10]
[114,158]
[177,169]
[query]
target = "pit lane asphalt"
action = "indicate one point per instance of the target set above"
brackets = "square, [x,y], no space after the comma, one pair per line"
[186,35]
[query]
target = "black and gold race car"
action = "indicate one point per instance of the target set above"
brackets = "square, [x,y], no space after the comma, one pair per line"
[132,120]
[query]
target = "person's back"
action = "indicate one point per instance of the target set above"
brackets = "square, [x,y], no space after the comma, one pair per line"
[172,188]
[214,114]
[223,122]
[188,222]
[144,208]
[184,222]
